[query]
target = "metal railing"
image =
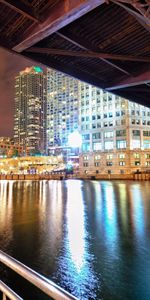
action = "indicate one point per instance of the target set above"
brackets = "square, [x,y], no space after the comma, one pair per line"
[47,286]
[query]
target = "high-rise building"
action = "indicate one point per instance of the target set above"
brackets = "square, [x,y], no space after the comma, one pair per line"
[114,130]
[30,110]
[62,108]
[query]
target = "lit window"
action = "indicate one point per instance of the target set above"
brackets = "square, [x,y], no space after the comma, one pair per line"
[136,144]
[97,146]
[146,144]
[121,144]
[121,155]
[109,145]
[136,155]
[121,163]
[97,157]
[85,157]
[108,134]
[109,156]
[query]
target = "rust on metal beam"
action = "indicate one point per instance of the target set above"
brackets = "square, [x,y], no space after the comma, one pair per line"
[21,8]
[132,81]
[88,54]
[62,14]
[79,44]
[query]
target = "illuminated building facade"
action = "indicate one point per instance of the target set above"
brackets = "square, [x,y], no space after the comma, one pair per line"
[30,110]
[8,148]
[115,132]
[62,108]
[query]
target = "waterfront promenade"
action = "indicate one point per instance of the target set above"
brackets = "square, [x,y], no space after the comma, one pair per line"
[63,176]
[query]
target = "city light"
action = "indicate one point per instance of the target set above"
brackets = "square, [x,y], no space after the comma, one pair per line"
[75,140]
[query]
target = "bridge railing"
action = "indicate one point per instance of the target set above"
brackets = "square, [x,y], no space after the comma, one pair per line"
[47,286]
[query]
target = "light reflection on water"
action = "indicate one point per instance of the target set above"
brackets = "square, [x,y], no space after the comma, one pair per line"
[91,237]
[75,263]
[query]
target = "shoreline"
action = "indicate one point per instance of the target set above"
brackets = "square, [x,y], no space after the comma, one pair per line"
[142,176]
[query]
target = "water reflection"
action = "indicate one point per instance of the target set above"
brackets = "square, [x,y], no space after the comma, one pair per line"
[91,237]
[75,264]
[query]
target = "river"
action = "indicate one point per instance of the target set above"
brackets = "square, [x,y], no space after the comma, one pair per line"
[90,237]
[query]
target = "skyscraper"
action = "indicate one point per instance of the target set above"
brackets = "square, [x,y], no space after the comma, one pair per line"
[30,110]
[62,108]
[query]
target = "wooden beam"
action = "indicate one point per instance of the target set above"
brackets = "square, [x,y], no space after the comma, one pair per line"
[63,13]
[132,81]
[86,47]
[21,8]
[88,54]
[75,71]
[140,18]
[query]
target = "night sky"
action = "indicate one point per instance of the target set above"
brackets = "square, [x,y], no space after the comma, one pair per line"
[10,65]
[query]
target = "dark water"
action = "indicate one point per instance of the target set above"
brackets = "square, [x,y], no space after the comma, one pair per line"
[91,237]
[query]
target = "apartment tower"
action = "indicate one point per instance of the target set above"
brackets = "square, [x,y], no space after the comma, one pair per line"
[30,110]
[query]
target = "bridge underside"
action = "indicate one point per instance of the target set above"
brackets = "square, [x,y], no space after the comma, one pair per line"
[105,43]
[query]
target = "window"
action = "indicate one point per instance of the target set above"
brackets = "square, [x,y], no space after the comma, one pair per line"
[85,137]
[97,164]
[108,134]
[105,115]
[109,163]
[136,144]
[121,171]
[85,157]
[146,133]
[147,163]
[121,144]
[110,115]
[137,163]
[147,156]
[136,155]
[85,147]
[96,135]
[136,132]
[108,145]
[109,156]
[93,126]
[85,164]
[138,122]
[97,146]
[121,163]
[146,144]
[105,124]
[121,155]
[97,157]
[120,132]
